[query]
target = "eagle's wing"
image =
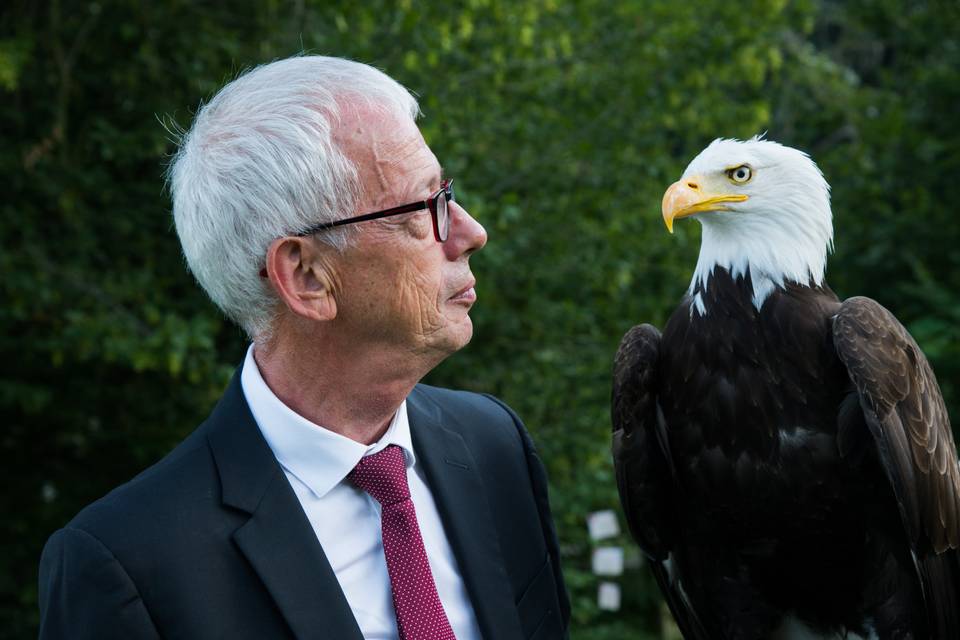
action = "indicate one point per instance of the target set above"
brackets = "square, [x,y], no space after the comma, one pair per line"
[904,410]
[644,474]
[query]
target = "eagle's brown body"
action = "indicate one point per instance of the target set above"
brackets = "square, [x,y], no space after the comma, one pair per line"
[789,463]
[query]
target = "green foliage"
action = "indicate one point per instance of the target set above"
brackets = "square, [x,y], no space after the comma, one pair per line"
[563,123]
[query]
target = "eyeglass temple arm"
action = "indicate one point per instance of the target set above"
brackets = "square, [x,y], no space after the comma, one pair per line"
[395,211]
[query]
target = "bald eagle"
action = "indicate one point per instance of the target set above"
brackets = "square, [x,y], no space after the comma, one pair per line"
[784,459]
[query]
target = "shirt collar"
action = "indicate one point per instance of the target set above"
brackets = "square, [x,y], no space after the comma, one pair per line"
[317,456]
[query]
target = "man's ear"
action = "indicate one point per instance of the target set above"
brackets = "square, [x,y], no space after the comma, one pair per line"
[302,274]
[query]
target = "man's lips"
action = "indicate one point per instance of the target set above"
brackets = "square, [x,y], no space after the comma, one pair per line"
[466,294]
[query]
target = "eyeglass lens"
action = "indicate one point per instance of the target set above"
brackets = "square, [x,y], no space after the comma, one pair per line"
[443,213]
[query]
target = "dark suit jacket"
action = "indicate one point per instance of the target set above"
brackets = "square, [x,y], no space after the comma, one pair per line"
[211,542]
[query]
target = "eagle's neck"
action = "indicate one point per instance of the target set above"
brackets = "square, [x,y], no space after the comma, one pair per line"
[773,250]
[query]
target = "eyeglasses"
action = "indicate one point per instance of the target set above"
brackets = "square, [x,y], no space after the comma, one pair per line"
[438,204]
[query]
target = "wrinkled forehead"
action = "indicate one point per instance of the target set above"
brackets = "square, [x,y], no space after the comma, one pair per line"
[371,132]
[387,148]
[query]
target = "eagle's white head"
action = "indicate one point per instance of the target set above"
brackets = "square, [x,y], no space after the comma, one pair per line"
[763,206]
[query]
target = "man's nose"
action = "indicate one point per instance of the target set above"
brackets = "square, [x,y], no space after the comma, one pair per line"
[466,234]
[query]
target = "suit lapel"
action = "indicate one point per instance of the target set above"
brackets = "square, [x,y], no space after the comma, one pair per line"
[461,499]
[277,540]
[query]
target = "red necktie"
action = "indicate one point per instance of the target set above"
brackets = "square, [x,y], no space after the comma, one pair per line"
[420,614]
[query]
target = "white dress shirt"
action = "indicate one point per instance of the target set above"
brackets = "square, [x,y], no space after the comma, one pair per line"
[346,519]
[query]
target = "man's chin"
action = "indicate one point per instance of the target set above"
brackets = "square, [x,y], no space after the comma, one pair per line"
[459,334]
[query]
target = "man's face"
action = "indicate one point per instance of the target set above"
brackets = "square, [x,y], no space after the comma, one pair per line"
[398,286]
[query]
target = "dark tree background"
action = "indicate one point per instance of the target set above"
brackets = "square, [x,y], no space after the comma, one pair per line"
[563,123]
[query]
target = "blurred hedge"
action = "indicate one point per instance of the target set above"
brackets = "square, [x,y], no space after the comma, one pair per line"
[563,123]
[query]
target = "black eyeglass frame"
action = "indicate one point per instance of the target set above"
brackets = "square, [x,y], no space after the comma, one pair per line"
[446,190]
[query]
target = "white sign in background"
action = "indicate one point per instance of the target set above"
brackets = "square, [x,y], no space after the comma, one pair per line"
[602,525]
[607,561]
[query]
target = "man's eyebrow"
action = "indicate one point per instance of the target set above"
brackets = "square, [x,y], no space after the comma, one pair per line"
[432,183]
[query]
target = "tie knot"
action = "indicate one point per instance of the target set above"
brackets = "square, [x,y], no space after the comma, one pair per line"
[383,475]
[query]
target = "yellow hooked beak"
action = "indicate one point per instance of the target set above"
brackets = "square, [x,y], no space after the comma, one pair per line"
[685,198]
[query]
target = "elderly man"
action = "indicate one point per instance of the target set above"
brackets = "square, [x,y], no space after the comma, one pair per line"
[328,495]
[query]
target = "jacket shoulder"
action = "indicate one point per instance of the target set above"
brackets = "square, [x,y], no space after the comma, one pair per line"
[454,398]
[479,416]
[183,480]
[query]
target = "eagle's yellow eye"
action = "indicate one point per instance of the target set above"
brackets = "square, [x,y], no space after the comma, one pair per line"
[740,174]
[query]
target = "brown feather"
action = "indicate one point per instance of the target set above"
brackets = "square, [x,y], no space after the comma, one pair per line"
[899,392]
[644,474]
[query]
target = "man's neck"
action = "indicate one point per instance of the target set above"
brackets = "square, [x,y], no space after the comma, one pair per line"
[354,395]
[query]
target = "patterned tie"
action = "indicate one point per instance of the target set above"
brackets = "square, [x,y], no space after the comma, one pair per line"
[420,614]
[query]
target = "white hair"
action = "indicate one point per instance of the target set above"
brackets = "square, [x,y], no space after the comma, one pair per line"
[260,162]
